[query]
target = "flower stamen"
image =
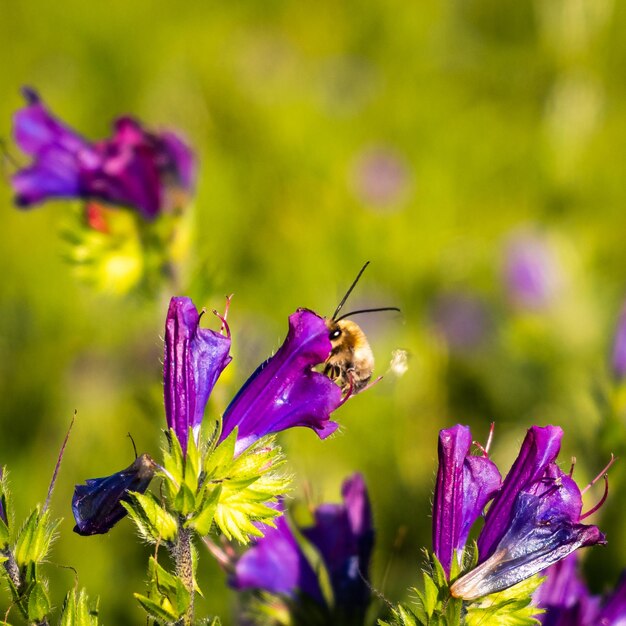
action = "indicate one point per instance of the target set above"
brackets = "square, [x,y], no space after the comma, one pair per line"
[600,475]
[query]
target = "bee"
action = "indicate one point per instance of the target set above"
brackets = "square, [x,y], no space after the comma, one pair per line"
[351,360]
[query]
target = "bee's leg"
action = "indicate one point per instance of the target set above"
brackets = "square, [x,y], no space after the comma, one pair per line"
[347,389]
[370,385]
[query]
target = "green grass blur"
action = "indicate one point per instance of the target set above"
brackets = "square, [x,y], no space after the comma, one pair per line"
[419,136]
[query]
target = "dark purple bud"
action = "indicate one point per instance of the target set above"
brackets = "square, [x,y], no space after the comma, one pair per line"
[539,449]
[464,485]
[532,275]
[96,504]
[285,391]
[134,168]
[194,359]
[564,597]
[344,537]
[276,563]
[619,347]
[543,528]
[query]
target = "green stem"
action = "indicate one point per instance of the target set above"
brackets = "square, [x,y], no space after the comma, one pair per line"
[184,570]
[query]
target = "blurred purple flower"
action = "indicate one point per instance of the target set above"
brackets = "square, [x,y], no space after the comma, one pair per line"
[381,177]
[565,597]
[96,504]
[533,522]
[343,535]
[134,168]
[276,564]
[285,391]
[462,318]
[465,484]
[619,346]
[613,612]
[194,359]
[531,272]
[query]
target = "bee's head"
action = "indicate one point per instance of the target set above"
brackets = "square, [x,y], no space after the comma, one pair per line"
[335,331]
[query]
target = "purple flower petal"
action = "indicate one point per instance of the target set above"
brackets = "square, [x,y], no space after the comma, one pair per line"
[531,273]
[540,448]
[96,504]
[275,563]
[540,533]
[564,596]
[619,347]
[194,359]
[134,168]
[60,155]
[613,612]
[285,391]
[344,537]
[464,485]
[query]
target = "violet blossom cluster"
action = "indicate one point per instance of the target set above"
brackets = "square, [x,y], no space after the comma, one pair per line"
[133,168]
[533,521]
[285,391]
[343,537]
[567,601]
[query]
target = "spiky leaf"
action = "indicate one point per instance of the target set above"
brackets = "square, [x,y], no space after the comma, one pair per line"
[511,607]
[77,611]
[152,520]
[38,603]
[35,537]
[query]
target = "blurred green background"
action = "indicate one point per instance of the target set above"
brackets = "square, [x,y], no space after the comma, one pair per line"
[424,137]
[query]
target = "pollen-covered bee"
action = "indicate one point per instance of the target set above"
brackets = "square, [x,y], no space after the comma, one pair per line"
[351,360]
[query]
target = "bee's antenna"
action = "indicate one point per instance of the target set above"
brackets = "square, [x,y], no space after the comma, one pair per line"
[386,308]
[352,286]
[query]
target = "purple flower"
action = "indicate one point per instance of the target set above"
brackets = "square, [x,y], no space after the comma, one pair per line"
[134,168]
[96,504]
[531,273]
[276,564]
[343,535]
[194,359]
[619,347]
[533,522]
[464,485]
[381,178]
[565,597]
[613,611]
[463,320]
[285,391]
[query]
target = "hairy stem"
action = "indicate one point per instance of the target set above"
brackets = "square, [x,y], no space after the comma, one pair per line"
[184,570]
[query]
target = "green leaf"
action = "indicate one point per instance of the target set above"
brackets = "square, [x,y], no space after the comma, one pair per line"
[152,520]
[76,610]
[38,603]
[192,464]
[173,464]
[218,462]
[168,598]
[35,537]
[202,520]
[511,607]
[185,501]
[430,595]
[244,500]
[163,612]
